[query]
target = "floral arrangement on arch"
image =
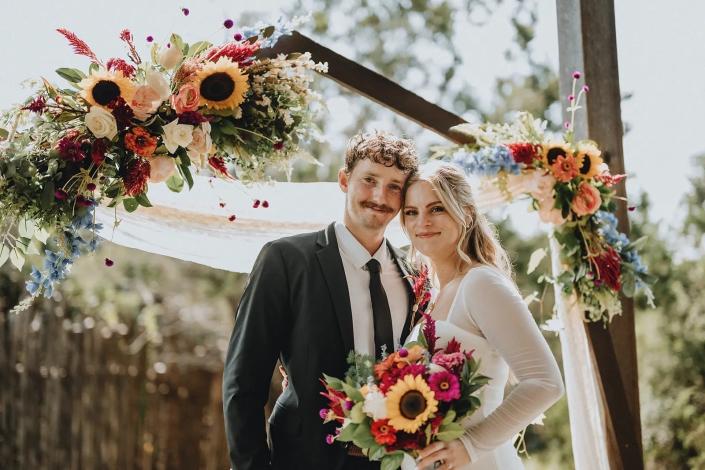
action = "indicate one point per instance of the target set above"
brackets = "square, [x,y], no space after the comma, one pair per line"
[571,188]
[126,123]
[394,407]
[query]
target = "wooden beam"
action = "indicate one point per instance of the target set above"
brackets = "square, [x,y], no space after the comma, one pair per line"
[587,42]
[372,85]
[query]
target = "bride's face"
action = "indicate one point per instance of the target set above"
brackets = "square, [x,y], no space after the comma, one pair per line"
[432,230]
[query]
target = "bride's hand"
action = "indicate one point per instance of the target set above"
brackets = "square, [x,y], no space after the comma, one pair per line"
[452,455]
[285,378]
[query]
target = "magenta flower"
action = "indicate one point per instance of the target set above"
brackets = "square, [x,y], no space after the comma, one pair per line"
[330,439]
[586,88]
[412,369]
[237,37]
[323,413]
[403,352]
[185,11]
[577,75]
[445,386]
[150,38]
[571,98]
[228,23]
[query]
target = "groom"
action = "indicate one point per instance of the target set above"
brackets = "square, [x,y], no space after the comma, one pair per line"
[310,299]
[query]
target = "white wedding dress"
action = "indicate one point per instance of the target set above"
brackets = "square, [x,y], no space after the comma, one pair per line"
[489,316]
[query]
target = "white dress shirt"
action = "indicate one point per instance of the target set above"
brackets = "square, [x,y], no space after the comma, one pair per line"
[355,258]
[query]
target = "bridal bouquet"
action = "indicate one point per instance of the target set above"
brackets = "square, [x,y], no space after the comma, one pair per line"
[413,397]
[125,123]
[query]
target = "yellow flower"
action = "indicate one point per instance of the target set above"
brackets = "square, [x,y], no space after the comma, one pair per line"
[222,84]
[551,151]
[410,403]
[588,159]
[102,86]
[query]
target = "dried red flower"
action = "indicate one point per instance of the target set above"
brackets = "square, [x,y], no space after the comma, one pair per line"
[38,105]
[109,262]
[120,65]
[136,176]
[241,53]
[608,268]
[218,164]
[192,118]
[524,153]
[79,46]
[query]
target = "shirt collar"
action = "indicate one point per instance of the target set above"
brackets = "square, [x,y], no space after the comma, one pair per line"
[353,250]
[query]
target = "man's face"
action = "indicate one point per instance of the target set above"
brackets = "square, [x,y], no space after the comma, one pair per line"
[373,194]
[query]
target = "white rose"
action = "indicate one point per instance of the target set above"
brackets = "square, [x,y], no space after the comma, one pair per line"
[161,168]
[170,57]
[375,407]
[101,122]
[157,81]
[200,146]
[177,135]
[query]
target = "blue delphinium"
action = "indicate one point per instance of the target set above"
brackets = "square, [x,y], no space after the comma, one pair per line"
[488,161]
[620,242]
[57,264]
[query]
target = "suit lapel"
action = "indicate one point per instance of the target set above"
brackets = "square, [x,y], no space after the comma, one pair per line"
[334,274]
[398,256]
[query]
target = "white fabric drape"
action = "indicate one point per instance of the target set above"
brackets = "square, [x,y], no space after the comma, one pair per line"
[585,406]
[192,225]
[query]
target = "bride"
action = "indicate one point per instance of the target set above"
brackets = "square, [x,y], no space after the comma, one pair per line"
[479,305]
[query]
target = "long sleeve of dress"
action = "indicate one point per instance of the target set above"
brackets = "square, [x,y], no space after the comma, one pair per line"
[495,306]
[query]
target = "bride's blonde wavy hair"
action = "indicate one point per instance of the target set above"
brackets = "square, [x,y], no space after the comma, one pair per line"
[478,242]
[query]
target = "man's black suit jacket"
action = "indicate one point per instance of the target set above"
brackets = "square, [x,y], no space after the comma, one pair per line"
[296,307]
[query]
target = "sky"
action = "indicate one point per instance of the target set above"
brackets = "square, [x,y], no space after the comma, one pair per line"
[660,50]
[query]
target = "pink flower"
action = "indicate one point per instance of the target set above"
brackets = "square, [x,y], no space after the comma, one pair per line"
[161,169]
[445,386]
[145,102]
[587,200]
[186,99]
[450,361]
[548,213]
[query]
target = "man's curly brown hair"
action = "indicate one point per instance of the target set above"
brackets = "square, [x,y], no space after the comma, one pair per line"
[383,148]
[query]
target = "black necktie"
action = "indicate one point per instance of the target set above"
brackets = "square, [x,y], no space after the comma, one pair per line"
[382,317]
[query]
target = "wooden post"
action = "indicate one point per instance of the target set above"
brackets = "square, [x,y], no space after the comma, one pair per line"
[587,42]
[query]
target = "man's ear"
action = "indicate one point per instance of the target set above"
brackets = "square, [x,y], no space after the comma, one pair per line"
[343,181]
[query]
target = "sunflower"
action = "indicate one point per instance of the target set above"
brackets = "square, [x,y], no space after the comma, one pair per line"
[588,159]
[410,403]
[551,151]
[102,87]
[222,84]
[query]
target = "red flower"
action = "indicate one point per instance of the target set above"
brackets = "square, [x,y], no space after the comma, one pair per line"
[98,149]
[445,386]
[408,441]
[192,118]
[121,66]
[136,176]
[70,149]
[610,180]
[383,433]
[608,267]
[218,164]
[565,168]
[335,401]
[452,347]
[141,142]
[524,152]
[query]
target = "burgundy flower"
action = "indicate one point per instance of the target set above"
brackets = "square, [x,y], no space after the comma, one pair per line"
[256,203]
[122,112]
[70,150]
[84,201]
[98,149]
[218,164]
[452,347]
[192,118]
[60,195]
[228,23]
[121,66]
[109,262]
[150,38]
[608,268]
[185,11]
[38,105]
[265,204]
[237,37]
[279,145]
[91,187]
[136,176]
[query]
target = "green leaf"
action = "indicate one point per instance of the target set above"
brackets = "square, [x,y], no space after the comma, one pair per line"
[449,418]
[352,393]
[71,75]
[332,382]
[376,452]
[92,68]
[535,259]
[197,47]
[175,183]
[187,174]
[392,461]
[47,197]
[41,234]
[176,40]
[4,254]
[449,432]
[26,228]
[130,204]
[346,435]
[362,437]
[143,200]
[17,259]
[3,134]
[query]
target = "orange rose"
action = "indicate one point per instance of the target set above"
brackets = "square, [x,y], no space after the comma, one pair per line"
[140,141]
[587,200]
[186,99]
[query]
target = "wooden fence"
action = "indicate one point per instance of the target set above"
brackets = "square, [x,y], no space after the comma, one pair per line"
[73,395]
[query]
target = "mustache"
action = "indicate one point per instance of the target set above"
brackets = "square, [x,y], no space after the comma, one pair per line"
[372,205]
